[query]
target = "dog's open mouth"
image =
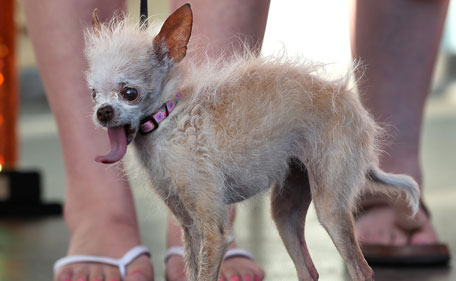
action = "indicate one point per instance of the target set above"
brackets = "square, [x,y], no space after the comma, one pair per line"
[119,138]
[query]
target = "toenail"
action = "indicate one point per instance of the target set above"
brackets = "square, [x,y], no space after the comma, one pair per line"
[136,271]
[82,279]
[97,279]
[247,278]
[256,278]
[234,278]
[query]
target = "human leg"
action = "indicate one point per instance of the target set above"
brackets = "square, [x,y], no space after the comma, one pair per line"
[221,28]
[99,208]
[225,27]
[397,41]
[239,267]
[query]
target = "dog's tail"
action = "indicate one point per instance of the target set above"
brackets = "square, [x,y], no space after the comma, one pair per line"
[395,184]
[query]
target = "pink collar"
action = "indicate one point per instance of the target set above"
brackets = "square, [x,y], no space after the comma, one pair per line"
[150,123]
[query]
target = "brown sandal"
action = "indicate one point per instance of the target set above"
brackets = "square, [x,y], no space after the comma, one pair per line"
[436,254]
[407,255]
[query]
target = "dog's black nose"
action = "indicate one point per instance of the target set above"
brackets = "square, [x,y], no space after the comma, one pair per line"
[105,113]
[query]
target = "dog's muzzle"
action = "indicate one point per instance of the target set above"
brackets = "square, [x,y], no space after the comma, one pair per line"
[105,113]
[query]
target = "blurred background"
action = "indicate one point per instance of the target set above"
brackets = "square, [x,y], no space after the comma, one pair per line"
[29,246]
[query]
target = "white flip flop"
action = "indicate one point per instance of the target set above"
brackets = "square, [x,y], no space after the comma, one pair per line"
[121,263]
[179,251]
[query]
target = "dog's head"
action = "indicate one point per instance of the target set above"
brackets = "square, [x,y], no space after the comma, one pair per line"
[127,71]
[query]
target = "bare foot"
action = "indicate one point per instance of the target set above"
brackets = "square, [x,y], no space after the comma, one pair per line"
[378,225]
[109,240]
[426,234]
[240,269]
[233,269]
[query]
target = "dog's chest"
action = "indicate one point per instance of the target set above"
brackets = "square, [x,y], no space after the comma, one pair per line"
[190,144]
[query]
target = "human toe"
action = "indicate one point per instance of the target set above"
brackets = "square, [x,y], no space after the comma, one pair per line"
[230,275]
[241,269]
[424,236]
[112,274]
[397,237]
[140,270]
[376,226]
[80,272]
[96,272]
[251,271]
[175,269]
[64,274]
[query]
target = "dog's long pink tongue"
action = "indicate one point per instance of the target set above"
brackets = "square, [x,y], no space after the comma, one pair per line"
[118,141]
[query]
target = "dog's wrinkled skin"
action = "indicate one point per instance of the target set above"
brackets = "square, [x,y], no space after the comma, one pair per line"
[240,127]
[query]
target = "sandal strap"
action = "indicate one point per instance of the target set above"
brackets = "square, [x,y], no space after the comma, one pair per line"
[179,251]
[174,251]
[425,208]
[121,263]
[232,253]
[370,202]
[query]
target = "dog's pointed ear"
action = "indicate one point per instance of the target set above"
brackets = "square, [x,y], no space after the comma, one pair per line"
[171,42]
[96,22]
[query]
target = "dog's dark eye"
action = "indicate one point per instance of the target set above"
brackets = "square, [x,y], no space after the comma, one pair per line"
[94,94]
[130,94]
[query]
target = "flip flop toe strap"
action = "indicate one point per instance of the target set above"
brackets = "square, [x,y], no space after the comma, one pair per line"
[121,263]
[179,251]
[232,253]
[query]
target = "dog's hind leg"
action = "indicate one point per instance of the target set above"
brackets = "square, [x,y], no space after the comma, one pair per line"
[289,206]
[333,197]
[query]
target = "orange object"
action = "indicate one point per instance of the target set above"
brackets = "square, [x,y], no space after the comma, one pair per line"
[8,87]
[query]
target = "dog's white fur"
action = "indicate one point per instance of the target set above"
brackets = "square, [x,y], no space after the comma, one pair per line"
[244,124]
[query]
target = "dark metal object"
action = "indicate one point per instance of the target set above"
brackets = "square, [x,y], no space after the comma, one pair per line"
[143,13]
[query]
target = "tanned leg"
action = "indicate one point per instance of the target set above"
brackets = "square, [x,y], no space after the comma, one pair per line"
[221,28]
[397,41]
[99,208]
[224,27]
[239,267]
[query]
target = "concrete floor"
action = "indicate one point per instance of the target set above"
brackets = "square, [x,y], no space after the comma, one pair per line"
[28,248]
